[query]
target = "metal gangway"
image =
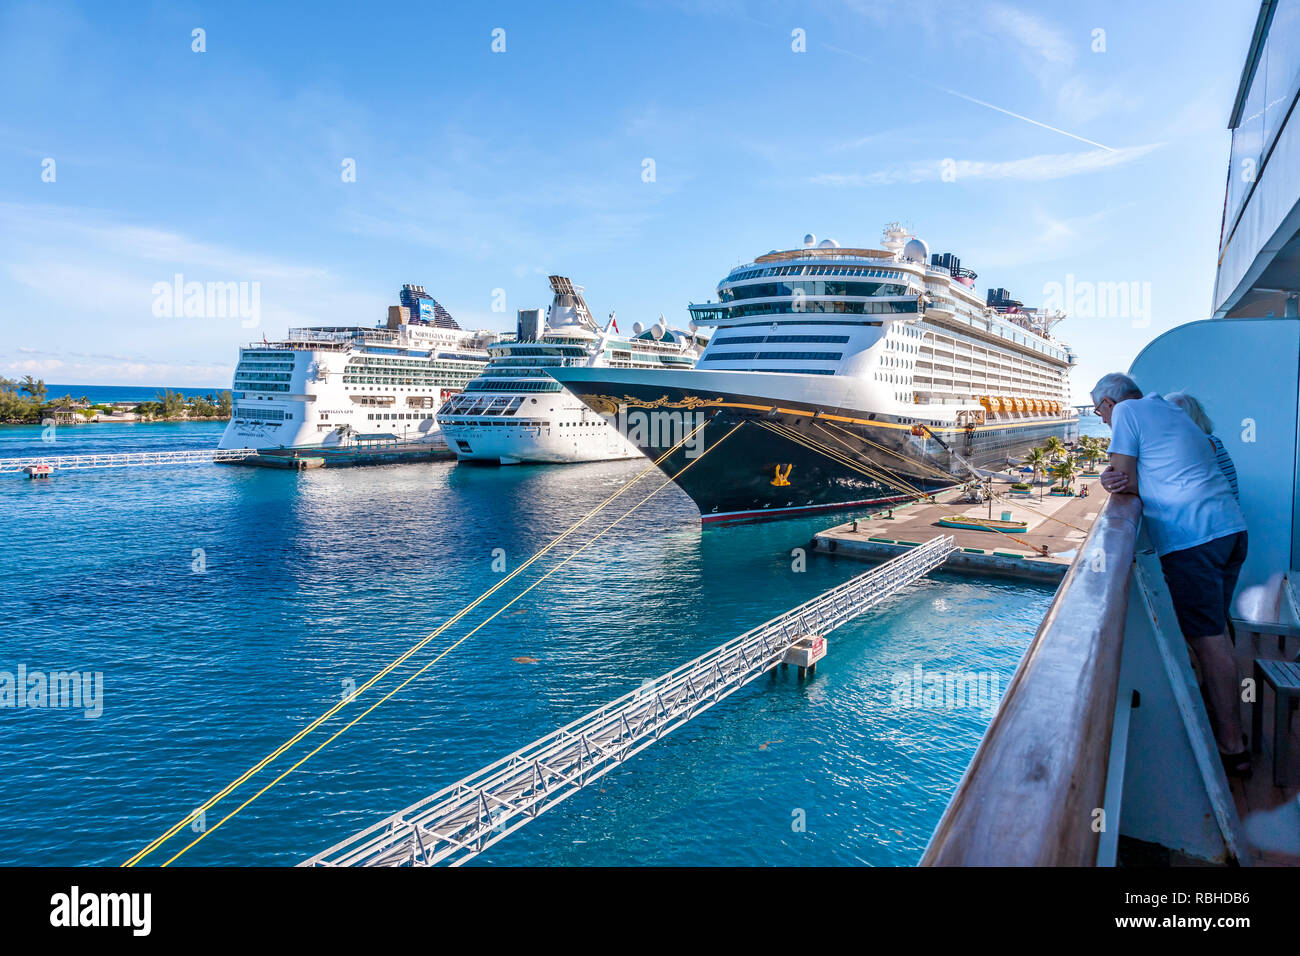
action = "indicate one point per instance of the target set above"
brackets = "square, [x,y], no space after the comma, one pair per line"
[460,821]
[128,459]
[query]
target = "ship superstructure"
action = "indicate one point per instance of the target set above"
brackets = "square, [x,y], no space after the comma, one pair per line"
[337,385]
[831,356]
[515,412]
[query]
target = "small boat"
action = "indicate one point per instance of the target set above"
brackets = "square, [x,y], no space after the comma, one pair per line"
[982,524]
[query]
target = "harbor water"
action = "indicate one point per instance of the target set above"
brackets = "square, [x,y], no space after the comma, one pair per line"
[228,607]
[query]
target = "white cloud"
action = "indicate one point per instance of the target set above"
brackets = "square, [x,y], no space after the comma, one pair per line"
[1030,169]
[1048,48]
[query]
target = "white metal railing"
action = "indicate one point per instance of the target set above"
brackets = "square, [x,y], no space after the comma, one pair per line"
[460,821]
[128,459]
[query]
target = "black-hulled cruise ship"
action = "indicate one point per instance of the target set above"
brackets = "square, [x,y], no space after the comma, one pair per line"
[856,377]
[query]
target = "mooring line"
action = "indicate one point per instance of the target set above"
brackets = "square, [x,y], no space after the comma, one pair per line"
[453,646]
[262,764]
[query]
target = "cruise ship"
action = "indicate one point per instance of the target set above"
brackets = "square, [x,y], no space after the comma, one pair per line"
[330,386]
[515,412]
[857,376]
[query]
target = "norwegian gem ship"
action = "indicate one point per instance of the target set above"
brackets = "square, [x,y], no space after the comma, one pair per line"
[843,377]
[514,412]
[333,385]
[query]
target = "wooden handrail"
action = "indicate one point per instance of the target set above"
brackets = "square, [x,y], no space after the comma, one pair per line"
[1030,794]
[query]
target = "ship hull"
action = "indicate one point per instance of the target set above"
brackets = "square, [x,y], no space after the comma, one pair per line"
[750,457]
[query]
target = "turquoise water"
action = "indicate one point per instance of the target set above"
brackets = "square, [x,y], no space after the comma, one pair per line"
[318,578]
[123,393]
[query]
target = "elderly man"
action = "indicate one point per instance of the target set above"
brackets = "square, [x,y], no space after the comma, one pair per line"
[1158,453]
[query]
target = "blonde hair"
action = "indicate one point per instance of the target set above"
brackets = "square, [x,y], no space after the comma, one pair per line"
[1194,410]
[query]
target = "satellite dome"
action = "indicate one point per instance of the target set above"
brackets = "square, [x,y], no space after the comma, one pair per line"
[917,250]
[809,241]
[637,328]
[828,244]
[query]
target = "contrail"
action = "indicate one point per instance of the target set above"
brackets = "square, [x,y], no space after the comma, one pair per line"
[1054,129]
[971,99]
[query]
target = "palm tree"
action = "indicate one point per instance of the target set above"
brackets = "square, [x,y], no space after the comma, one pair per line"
[1064,472]
[1038,461]
[1055,447]
[1091,451]
[34,387]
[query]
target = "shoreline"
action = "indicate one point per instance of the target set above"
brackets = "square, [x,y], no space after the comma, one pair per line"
[115,421]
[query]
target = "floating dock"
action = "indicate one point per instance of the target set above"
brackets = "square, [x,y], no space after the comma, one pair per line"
[1055,526]
[352,456]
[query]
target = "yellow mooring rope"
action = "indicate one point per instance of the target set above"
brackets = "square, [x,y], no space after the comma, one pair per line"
[256,768]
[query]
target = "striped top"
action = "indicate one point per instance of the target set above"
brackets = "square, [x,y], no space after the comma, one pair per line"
[1225,465]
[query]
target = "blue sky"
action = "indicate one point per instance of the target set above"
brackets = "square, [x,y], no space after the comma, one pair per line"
[993,130]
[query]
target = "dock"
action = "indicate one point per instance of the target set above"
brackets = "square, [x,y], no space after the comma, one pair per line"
[462,820]
[349,456]
[297,459]
[1055,527]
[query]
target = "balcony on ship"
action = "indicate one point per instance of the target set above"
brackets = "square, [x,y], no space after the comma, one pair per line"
[1101,751]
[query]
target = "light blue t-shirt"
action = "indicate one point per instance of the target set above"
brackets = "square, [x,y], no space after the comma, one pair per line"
[1186,500]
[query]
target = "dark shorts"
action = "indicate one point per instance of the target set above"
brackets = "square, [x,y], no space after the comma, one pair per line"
[1201,581]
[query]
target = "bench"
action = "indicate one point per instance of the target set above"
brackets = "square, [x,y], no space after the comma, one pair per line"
[1284,678]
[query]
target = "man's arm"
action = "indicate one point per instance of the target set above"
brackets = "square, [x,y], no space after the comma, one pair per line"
[1121,476]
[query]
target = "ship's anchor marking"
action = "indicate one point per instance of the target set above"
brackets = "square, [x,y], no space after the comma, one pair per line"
[782,478]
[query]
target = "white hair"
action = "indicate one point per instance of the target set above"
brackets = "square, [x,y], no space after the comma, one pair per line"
[1116,386]
[1194,410]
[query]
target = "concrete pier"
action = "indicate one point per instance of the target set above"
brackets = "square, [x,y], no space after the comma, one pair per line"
[1043,552]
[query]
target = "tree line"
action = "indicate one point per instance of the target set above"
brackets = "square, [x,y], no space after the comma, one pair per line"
[27,402]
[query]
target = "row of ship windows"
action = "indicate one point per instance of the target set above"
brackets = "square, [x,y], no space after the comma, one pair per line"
[818,306]
[548,385]
[523,422]
[482,405]
[773,356]
[243,376]
[249,413]
[782,339]
[763,290]
[805,270]
[377,366]
[397,416]
[513,372]
[447,380]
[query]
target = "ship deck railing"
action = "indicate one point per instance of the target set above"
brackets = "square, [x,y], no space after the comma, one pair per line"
[1101,740]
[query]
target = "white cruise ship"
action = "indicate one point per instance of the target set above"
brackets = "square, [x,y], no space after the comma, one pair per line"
[334,386]
[856,377]
[514,412]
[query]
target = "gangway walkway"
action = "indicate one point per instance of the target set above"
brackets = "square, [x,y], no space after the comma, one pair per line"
[464,819]
[128,459]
